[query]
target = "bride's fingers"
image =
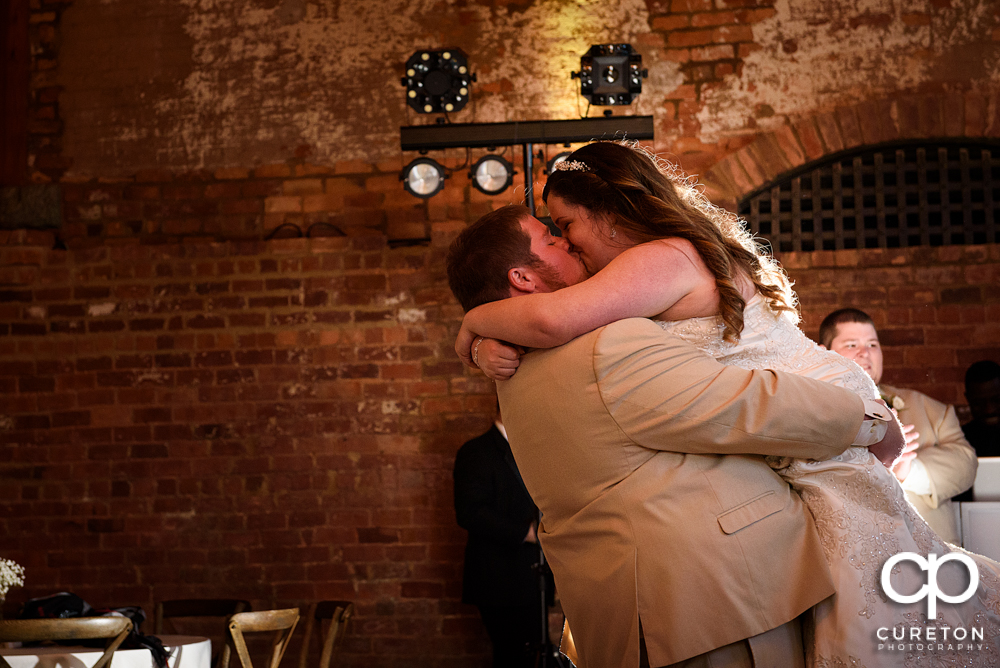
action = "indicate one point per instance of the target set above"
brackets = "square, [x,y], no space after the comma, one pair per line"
[463,346]
[891,446]
[499,369]
[500,374]
[498,360]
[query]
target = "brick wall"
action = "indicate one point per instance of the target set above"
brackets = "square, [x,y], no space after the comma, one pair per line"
[346,198]
[278,420]
[187,409]
[936,309]
[275,421]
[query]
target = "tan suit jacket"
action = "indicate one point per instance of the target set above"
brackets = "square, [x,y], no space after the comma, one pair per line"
[705,549]
[948,458]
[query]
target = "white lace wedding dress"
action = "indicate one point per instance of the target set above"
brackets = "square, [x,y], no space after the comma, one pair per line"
[863,518]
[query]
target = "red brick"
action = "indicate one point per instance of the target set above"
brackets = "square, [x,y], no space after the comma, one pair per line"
[954,115]
[232,173]
[303,186]
[311,170]
[829,130]
[668,23]
[850,129]
[931,124]
[677,55]
[876,122]
[790,147]
[734,34]
[707,19]
[914,19]
[354,167]
[688,38]
[975,114]
[272,171]
[684,6]
[769,156]
[716,52]
[648,40]
[809,138]
[755,15]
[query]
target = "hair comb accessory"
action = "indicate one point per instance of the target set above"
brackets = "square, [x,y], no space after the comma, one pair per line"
[571,166]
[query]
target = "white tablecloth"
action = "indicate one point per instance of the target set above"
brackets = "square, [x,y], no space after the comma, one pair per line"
[185,652]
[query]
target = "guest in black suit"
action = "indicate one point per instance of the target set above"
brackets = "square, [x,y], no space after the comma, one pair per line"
[492,504]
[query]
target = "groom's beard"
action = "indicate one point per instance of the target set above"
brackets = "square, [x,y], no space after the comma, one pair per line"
[553,281]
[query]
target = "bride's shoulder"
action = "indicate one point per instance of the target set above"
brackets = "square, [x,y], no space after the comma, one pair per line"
[660,249]
[673,244]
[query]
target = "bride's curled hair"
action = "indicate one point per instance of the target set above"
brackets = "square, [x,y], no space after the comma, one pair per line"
[648,199]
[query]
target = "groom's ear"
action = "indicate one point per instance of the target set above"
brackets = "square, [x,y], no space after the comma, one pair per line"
[522,280]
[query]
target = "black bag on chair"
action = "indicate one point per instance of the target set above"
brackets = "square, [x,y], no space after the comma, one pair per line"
[65,604]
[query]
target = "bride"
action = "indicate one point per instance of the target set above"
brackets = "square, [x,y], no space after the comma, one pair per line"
[657,248]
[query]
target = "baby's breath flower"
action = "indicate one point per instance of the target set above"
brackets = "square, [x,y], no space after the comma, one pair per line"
[11,575]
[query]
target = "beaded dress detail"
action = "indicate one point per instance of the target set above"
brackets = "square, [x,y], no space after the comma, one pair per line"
[863,518]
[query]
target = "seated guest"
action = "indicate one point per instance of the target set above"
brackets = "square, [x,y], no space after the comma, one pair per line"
[982,391]
[944,464]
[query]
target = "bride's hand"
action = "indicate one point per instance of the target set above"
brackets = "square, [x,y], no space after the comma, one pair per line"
[498,360]
[463,345]
[889,449]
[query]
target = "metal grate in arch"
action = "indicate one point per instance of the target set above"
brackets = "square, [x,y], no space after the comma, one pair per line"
[894,196]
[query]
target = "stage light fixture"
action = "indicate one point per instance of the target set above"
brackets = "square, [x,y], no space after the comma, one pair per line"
[438,81]
[492,174]
[423,177]
[610,74]
[555,160]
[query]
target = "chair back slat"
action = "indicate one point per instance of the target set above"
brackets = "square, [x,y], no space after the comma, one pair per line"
[115,629]
[338,613]
[282,622]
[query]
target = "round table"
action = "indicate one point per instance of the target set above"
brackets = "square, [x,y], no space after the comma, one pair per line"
[185,652]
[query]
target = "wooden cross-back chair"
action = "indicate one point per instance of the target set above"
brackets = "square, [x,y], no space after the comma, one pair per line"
[114,629]
[338,613]
[282,622]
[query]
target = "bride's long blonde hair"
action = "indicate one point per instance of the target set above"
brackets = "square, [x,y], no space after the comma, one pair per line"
[632,190]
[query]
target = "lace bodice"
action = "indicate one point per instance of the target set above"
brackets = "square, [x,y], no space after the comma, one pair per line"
[772,340]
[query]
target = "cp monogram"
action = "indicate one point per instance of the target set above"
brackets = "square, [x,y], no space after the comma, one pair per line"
[930,591]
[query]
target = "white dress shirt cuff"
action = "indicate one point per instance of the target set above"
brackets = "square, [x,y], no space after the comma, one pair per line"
[917,480]
[875,424]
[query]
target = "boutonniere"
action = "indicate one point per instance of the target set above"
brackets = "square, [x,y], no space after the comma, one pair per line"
[895,402]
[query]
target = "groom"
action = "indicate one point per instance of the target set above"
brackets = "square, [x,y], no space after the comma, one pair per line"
[658,545]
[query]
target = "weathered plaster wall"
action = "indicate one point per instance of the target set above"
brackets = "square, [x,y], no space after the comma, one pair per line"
[817,56]
[222,83]
[218,84]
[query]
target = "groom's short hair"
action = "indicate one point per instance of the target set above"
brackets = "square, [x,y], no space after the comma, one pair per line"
[481,256]
[828,330]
